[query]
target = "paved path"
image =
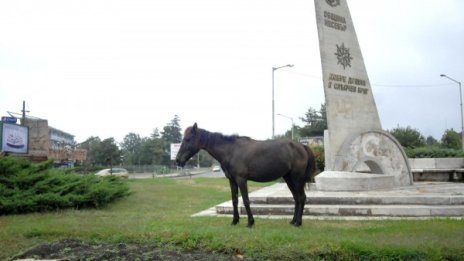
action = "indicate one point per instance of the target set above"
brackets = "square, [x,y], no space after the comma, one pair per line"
[194,173]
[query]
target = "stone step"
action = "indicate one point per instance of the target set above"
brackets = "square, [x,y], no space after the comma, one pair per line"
[350,210]
[419,194]
[325,199]
[422,200]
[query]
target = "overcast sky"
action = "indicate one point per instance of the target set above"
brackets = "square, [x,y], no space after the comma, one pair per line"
[109,67]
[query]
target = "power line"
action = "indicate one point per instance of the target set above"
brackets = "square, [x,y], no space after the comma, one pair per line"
[302,74]
[411,85]
[378,84]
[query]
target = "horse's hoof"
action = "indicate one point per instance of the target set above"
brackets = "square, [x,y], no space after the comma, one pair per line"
[292,222]
[296,224]
[250,223]
[234,222]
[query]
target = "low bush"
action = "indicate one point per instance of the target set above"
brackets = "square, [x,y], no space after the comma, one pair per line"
[433,152]
[27,187]
[320,157]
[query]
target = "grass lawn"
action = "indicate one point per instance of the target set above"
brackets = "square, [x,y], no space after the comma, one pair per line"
[158,213]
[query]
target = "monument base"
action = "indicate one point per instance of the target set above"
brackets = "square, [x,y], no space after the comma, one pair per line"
[422,200]
[353,181]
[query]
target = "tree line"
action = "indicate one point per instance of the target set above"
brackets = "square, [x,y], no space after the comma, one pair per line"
[414,142]
[155,149]
[134,149]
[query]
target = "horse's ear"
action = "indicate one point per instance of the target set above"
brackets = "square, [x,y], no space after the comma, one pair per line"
[194,128]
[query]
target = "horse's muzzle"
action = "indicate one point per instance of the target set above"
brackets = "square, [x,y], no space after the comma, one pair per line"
[180,163]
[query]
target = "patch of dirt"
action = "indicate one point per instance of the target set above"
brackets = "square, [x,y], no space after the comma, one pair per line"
[73,250]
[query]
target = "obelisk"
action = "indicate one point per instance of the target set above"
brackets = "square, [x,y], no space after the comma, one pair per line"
[355,135]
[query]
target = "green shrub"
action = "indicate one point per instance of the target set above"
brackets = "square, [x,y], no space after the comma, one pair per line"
[13,165]
[433,152]
[320,157]
[27,187]
[408,137]
[451,139]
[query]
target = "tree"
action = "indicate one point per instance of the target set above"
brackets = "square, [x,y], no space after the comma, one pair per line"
[451,140]
[316,122]
[159,153]
[110,153]
[101,152]
[408,137]
[431,142]
[172,132]
[146,151]
[92,146]
[154,149]
[131,148]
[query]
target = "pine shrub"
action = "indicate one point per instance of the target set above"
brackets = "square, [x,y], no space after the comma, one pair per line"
[27,187]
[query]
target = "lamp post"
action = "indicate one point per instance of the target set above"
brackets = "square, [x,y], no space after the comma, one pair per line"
[273,113]
[462,117]
[290,118]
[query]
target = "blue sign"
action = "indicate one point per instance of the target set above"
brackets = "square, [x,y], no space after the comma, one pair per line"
[14,138]
[9,119]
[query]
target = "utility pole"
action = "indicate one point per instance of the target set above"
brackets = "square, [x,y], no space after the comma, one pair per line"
[462,113]
[23,119]
[273,113]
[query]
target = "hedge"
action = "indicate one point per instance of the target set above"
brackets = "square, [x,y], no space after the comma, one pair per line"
[27,187]
[433,152]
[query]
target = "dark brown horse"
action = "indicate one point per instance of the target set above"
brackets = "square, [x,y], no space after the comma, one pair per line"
[244,159]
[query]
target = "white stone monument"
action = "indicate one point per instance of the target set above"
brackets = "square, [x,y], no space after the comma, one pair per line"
[355,141]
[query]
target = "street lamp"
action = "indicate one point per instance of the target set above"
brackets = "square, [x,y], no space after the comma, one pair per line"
[462,117]
[273,113]
[290,118]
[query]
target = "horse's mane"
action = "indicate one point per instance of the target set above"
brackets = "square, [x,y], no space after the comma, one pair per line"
[215,138]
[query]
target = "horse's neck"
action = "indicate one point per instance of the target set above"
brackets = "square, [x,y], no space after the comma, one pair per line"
[213,145]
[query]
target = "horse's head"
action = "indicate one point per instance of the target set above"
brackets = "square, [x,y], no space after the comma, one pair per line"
[190,145]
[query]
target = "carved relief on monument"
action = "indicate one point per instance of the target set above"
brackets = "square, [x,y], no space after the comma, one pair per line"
[333,3]
[343,56]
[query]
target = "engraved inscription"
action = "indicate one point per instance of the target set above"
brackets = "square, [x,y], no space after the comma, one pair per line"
[347,84]
[356,81]
[334,21]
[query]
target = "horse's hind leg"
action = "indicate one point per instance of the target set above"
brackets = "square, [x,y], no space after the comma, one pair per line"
[291,186]
[234,190]
[301,195]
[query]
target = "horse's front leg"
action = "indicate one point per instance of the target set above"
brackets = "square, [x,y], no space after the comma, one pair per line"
[244,191]
[234,190]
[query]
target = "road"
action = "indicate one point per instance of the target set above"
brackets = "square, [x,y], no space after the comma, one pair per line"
[208,174]
[203,173]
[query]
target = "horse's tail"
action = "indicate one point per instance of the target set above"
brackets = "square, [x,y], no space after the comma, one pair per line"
[311,166]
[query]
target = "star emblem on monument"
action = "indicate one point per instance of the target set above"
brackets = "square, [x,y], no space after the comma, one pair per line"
[333,3]
[343,56]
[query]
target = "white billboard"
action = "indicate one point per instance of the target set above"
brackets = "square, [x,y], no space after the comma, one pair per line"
[174,150]
[14,138]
